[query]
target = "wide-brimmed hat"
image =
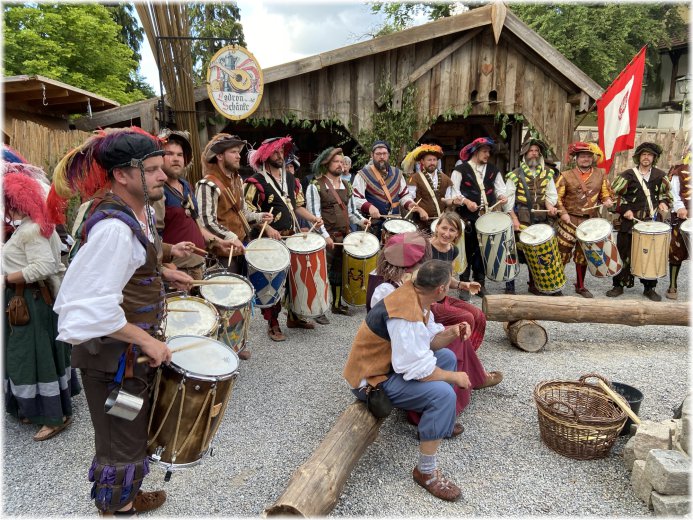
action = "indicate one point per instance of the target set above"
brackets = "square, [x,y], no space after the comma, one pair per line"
[653,148]
[256,158]
[543,148]
[420,152]
[218,144]
[579,147]
[181,137]
[472,147]
[319,165]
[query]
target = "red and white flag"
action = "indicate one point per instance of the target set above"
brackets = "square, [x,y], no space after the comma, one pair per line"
[617,110]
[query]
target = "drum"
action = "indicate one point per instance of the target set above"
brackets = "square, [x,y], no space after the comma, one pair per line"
[599,247]
[459,265]
[360,256]
[268,265]
[395,226]
[189,315]
[308,284]
[540,247]
[189,400]
[233,303]
[686,230]
[497,244]
[649,251]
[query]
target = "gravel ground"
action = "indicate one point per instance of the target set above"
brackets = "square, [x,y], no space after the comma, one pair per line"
[288,396]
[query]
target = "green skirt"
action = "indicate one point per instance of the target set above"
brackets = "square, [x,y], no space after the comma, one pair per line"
[39,381]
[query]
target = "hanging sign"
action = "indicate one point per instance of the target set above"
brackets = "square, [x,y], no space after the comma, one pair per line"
[234,82]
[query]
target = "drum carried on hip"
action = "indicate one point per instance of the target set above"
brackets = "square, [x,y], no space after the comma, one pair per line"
[233,302]
[686,230]
[395,226]
[540,246]
[189,315]
[309,287]
[189,400]
[360,257]
[268,265]
[599,247]
[459,264]
[650,250]
[497,244]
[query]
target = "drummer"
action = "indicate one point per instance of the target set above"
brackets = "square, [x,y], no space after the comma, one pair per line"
[645,194]
[681,189]
[480,185]
[433,188]
[224,215]
[330,197]
[532,197]
[274,189]
[580,190]
[110,304]
[380,189]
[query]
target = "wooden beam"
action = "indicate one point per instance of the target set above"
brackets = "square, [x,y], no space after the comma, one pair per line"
[113,116]
[498,13]
[581,99]
[36,94]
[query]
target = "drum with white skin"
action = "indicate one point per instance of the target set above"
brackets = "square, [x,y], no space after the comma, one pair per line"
[360,257]
[309,288]
[599,247]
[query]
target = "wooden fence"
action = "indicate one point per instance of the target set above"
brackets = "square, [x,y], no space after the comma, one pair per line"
[43,146]
[672,141]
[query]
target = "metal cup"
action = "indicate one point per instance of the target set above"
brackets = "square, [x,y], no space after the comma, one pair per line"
[123,404]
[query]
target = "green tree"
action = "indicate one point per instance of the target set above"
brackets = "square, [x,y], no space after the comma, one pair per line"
[78,44]
[599,38]
[213,20]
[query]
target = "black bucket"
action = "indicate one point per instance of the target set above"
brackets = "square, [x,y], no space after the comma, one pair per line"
[634,398]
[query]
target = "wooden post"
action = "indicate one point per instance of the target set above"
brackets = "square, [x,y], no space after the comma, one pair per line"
[526,335]
[573,309]
[315,486]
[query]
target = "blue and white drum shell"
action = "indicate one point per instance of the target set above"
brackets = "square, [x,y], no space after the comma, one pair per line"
[497,244]
[268,264]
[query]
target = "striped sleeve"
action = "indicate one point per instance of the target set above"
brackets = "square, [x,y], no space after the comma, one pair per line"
[207,195]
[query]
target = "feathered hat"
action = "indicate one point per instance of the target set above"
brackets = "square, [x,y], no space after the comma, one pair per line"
[597,152]
[84,170]
[218,144]
[419,153]
[472,147]
[578,147]
[292,159]
[29,170]
[23,193]
[653,148]
[11,155]
[256,158]
[181,137]
[319,165]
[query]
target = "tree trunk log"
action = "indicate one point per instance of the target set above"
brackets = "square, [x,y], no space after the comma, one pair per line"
[572,309]
[526,335]
[315,486]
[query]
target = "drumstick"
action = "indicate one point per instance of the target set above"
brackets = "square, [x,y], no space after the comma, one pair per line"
[265,224]
[230,255]
[492,207]
[412,209]
[197,344]
[368,223]
[593,207]
[574,226]
[216,282]
[305,235]
[540,211]
[199,251]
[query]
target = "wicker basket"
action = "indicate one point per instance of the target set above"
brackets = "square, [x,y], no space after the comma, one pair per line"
[578,419]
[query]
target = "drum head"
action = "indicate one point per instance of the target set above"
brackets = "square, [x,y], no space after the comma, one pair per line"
[399,225]
[593,229]
[652,228]
[201,321]
[305,243]
[231,296]
[536,234]
[210,358]
[272,257]
[361,244]
[687,226]
[493,223]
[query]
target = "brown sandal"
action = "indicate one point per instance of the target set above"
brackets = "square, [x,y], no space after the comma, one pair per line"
[47,432]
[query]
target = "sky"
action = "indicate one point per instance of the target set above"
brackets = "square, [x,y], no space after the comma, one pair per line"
[278,32]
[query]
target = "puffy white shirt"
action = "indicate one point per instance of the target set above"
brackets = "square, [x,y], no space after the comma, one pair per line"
[88,304]
[676,193]
[411,341]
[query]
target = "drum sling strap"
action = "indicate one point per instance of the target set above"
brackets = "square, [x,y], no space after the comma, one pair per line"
[645,189]
[280,192]
[380,180]
[429,187]
[480,185]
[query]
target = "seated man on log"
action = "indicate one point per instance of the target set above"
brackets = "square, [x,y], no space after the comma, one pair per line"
[400,348]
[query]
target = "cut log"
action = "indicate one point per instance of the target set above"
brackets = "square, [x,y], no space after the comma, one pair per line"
[315,486]
[572,309]
[526,335]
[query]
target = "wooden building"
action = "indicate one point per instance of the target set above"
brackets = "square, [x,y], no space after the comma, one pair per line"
[474,74]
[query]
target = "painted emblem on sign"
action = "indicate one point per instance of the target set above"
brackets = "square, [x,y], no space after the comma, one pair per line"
[234,82]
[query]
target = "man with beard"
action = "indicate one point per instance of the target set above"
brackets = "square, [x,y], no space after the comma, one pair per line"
[681,189]
[529,188]
[644,193]
[111,302]
[273,189]
[219,194]
[481,185]
[433,188]
[579,191]
[380,189]
[177,212]
[330,198]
